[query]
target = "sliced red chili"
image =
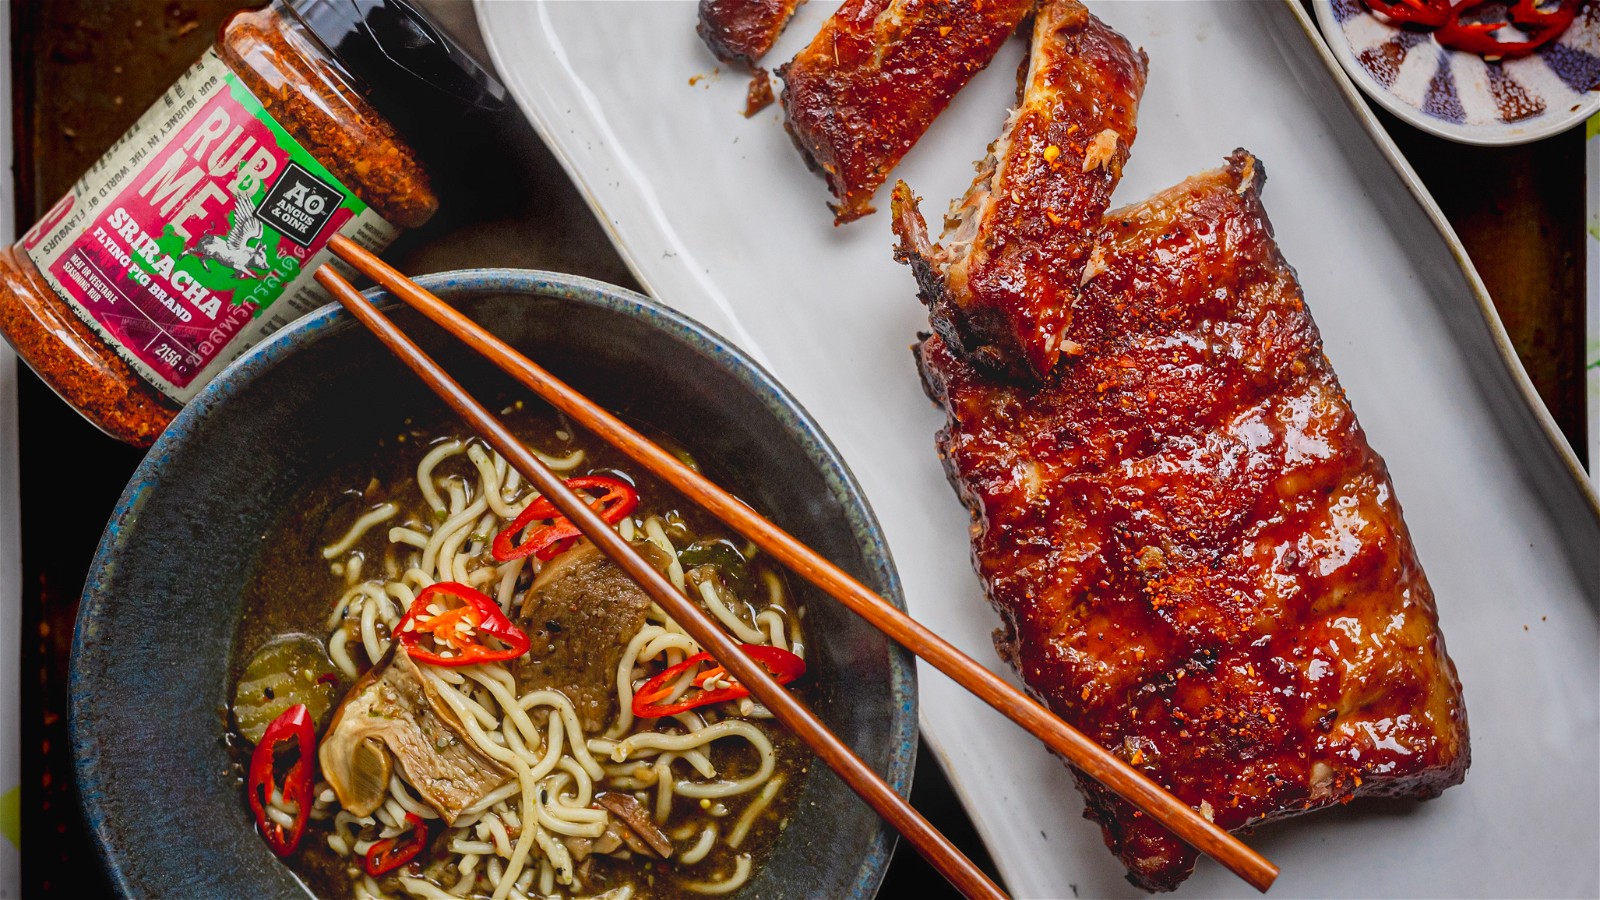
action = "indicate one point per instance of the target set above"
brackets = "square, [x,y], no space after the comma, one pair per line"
[1429,13]
[456,634]
[616,500]
[1540,22]
[781,664]
[292,730]
[387,855]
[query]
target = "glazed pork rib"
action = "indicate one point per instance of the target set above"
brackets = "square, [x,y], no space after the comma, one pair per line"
[1197,558]
[1000,287]
[875,77]
[740,32]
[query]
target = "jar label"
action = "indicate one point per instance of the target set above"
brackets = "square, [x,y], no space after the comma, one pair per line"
[197,233]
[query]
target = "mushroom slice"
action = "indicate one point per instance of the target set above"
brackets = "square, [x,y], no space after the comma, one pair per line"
[392,716]
[641,834]
[579,615]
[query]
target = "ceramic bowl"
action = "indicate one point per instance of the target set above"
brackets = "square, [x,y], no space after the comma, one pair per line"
[1458,95]
[150,661]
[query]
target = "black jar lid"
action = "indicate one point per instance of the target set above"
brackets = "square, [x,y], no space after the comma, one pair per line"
[397,49]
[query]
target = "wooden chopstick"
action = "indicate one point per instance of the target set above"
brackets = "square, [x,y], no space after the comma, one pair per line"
[1082,752]
[934,846]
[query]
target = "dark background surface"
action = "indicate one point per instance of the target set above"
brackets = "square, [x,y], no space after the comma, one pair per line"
[85,69]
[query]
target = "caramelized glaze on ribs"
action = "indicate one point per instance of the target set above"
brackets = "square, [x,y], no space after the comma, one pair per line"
[1000,287]
[1197,557]
[875,77]
[740,32]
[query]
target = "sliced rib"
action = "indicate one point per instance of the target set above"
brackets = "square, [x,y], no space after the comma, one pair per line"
[873,80]
[740,32]
[1001,283]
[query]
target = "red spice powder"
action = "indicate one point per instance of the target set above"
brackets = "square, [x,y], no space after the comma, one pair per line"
[307,91]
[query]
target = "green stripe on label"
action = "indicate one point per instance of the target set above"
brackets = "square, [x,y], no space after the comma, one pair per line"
[11,816]
[1593,127]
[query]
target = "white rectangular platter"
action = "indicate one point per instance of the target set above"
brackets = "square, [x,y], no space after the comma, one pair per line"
[719,218]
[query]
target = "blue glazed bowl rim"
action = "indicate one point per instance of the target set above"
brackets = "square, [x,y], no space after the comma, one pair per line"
[570,288]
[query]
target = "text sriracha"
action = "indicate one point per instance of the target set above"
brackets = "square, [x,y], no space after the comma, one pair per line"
[144,246]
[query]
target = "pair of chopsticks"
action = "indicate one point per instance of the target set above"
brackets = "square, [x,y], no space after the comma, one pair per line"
[1083,753]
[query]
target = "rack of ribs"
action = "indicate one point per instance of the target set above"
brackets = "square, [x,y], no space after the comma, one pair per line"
[1197,558]
[999,287]
[740,32]
[875,77]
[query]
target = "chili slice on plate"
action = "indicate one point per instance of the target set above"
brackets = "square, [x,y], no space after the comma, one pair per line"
[1430,13]
[291,730]
[714,685]
[617,499]
[458,633]
[388,854]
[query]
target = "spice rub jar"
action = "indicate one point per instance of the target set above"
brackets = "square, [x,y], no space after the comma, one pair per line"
[197,233]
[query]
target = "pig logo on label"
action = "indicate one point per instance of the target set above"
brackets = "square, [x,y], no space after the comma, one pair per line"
[240,248]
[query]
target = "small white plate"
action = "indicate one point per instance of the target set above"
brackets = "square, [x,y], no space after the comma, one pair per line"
[1456,94]
[718,216]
